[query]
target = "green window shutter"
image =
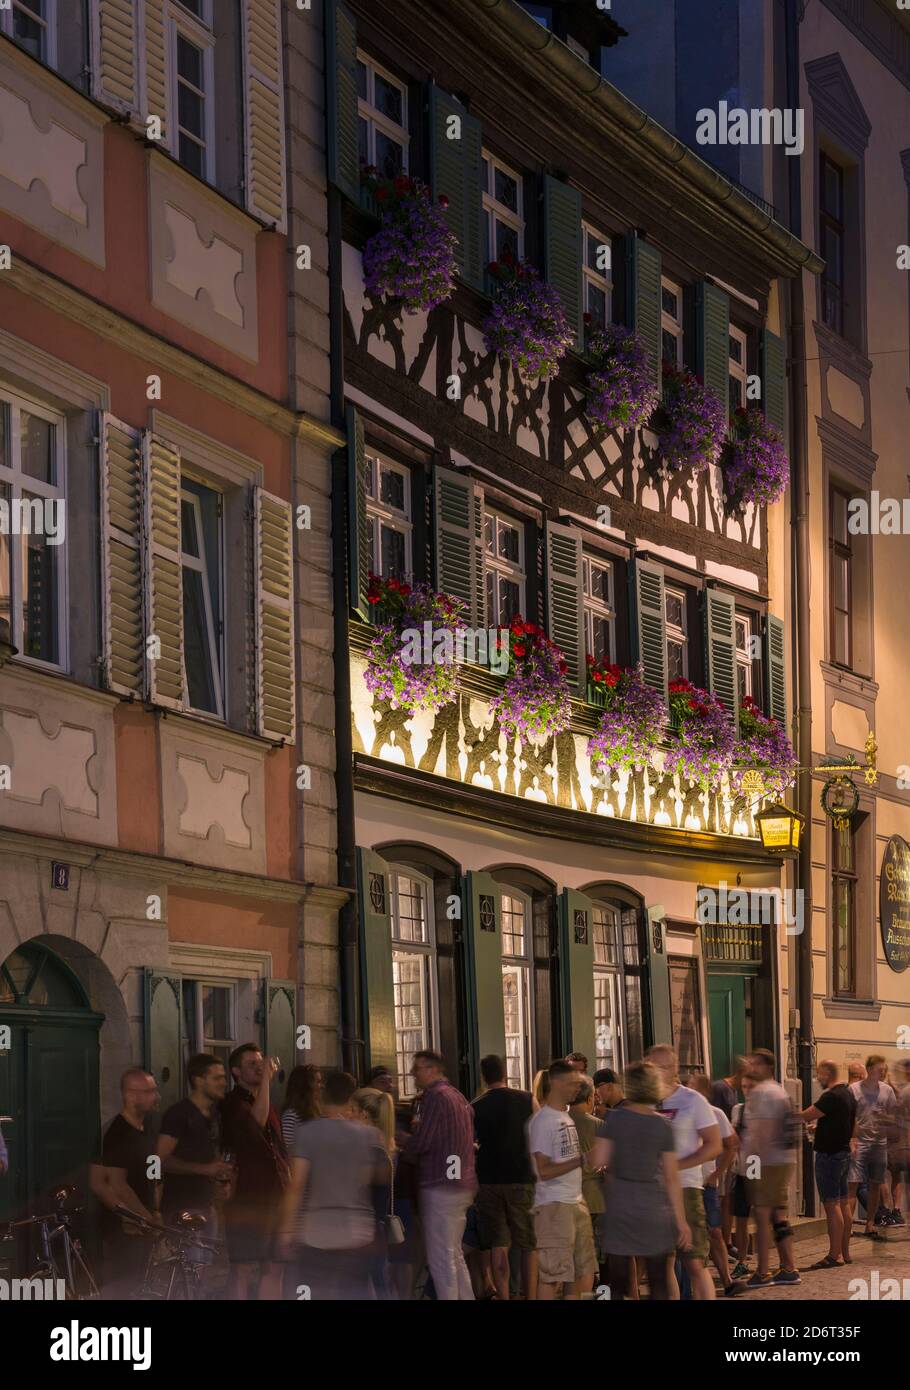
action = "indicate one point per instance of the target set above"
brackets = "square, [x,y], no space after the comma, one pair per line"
[359,551]
[576,964]
[341,80]
[712,340]
[658,975]
[458,507]
[163,571]
[163,1034]
[456,170]
[720,640]
[774,379]
[121,557]
[565,600]
[280,1014]
[375,903]
[775,670]
[563,248]
[482,904]
[643,296]
[649,624]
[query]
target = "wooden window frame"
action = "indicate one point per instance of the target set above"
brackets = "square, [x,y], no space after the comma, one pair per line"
[47,21]
[839,550]
[671,324]
[850,878]
[595,609]
[425,950]
[182,23]
[838,228]
[381,514]
[495,211]
[376,120]
[524,966]
[515,570]
[593,278]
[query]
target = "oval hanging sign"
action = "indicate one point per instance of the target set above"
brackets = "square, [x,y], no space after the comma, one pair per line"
[894,902]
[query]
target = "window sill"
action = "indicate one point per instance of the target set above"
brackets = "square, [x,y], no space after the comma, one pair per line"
[852,1008]
[851,680]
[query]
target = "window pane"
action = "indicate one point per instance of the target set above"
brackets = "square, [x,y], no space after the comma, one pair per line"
[489,534]
[411,1032]
[509,601]
[513,926]
[841,582]
[509,545]
[37,444]
[839,518]
[361,79]
[197,650]
[676,669]
[832,189]
[603,647]
[363,140]
[389,99]
[506,241]
[736,350]
[668,345]
[505,190]
[394,551]
[189,538]
[6,573]
[409,922]
[189,61]
[600,583]
[605,945]
[191,156]
[604,1026]
[669,302]
[189,111]
[392,489]
[515,1012]
[735,392]
[742,681]
[674,609]
[842,639]
[39,596]
[593,244]
[28,34]
[389,156]
[597,306]
[216,1012]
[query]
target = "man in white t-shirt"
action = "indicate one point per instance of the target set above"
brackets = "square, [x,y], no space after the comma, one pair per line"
[563,1223]
[696,1140]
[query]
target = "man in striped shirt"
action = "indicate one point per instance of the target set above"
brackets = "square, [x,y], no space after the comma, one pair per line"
[442,1146]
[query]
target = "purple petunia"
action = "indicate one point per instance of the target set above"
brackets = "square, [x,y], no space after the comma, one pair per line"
[621,389]
[535,701]
[694,425]
[526,323]
[703,748]
[392,673]
[757,468]
[763,746]
[632,725]
[411,258]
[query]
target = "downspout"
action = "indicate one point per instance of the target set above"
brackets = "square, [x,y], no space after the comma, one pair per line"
[799,521]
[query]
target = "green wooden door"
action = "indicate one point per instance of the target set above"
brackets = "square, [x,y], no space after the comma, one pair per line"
[727,1019]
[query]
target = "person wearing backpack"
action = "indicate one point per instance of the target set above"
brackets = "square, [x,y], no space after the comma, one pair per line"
[768,1159]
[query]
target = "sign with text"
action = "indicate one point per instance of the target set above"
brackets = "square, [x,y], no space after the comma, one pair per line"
[894,902]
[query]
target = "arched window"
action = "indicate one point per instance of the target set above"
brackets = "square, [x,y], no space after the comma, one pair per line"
[516,985]
[32,977]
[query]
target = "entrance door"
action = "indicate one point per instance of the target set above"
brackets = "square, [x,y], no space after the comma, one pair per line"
[727,1014]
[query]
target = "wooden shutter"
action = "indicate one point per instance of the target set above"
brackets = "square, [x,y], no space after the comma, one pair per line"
[377,983]
[720,640]
[563,248]
[274,573]
[359,549]
[121,557]
[341,84]
[115,69]
[712,340]
[264,178]
[456,170]
[483,937]
[156,67]
[774,379]
[565,600]
[459,542]
[280,1014]
[660,1010]
[163,572]
[163,1034]
[642,295]
[649,624]
[576,964]
[775,670]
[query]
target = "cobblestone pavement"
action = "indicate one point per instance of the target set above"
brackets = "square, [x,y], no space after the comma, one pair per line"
[890,1260]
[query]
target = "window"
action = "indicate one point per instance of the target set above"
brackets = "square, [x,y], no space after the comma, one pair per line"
[32,531]
[505,571]
[516,993]
[738,368]
[209,1020]
[841,583]
[382,126]
[599,608]
[831,242]
[413,971]
[598,282]
[685,1009]
[192,116]
[744,658]
[843,898]
[671,323]
[607,988]
[677,634]
[504,227]
[389,516]
[32,25]
[203,590]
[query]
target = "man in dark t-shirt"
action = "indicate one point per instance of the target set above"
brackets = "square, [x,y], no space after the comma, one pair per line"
[505,1195]
[189,1142]
[835,1111]
[120,1177]
[251,1131]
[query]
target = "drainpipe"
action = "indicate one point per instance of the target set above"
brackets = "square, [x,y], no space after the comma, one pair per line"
[799,522]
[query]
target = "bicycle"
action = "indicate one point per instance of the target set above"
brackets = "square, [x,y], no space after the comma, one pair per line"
[61,1258]
[177,1261]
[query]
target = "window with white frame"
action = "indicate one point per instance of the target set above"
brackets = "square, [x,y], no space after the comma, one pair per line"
[413,970]
[671,322]
[516,986]
[599,608]
[677,634]
[607,988]
[505,568]
[203,596]
[32,530]
[503,205]
[382,119]
[32,24]
[738,368]
[209,1019]
[192,119]
[744,658]
[598,277]
[389,516]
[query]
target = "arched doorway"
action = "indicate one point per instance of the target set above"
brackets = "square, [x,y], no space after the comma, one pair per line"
[48,1077]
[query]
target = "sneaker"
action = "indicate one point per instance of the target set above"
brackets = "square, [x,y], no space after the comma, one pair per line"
[738,1286]
[786,1276]
[897,1217]
[883,1217]
[740,1271]
[759,1281]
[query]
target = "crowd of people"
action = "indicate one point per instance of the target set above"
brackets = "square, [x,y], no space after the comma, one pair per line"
[587,1186]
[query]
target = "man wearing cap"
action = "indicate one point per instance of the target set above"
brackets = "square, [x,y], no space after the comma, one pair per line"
[607,1092]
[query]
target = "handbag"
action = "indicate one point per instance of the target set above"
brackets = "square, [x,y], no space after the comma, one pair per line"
[392,1224]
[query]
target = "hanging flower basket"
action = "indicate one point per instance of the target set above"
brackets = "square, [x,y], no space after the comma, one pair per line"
[692,422]
[526,323]
[702,741]
[411,258]
[762,747]
[403,666]
[632,724]
[535,701]
[621,390]
[755,467]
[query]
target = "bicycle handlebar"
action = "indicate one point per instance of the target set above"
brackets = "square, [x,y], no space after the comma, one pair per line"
[175,1232]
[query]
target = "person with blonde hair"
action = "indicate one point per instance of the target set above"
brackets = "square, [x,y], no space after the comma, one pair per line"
[377,1108]
[540,1089]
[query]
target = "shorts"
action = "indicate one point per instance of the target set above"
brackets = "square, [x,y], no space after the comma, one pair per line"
[772,1188]
[694,1206]
[712,1208]
[831,1175]
[565,1242]
[868,1164]
[504,1215]
[739,1202]
[250,1234]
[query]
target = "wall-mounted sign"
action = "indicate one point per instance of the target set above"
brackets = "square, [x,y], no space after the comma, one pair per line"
[60,877]
[894,902]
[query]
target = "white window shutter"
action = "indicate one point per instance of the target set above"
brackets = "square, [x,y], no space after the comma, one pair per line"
[115,69]
[264,111]
[123,631]
[163,573]
[274,599]
[156,66]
